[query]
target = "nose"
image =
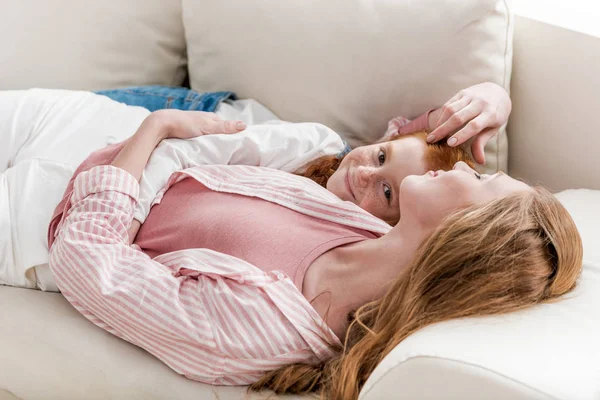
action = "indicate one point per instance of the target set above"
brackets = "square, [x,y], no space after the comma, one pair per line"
[463,166]
[365,175]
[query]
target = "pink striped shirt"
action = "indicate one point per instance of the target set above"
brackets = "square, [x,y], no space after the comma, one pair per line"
[209,316]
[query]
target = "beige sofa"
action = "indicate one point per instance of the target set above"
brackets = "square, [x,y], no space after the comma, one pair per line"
[352,65]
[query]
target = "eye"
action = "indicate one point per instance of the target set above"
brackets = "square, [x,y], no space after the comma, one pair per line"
[381,157]
[387,192]
[477,175]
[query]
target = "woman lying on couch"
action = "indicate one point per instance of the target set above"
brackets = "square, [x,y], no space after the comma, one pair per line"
[254,312]
[47,133]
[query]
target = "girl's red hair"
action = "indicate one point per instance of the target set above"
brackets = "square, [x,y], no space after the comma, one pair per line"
[437,156]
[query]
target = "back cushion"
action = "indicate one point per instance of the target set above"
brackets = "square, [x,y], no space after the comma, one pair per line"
[74,44]
[350,64]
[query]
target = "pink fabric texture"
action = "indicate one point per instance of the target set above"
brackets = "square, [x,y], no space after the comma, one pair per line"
[267,235]
[99,157]
[192,217]
[210,316]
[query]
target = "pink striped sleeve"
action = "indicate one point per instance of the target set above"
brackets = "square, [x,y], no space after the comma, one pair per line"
[209,316]
[119,288]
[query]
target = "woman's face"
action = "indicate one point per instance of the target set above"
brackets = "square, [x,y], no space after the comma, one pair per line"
[370,176]
[430,197]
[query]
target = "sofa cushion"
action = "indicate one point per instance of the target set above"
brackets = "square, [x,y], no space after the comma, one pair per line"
[71,44]
[350,64]
[50,351]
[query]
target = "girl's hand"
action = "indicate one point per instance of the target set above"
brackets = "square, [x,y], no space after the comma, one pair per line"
[190,124]
[478,110]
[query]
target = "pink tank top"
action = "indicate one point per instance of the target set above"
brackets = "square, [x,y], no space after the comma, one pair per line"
[265,234]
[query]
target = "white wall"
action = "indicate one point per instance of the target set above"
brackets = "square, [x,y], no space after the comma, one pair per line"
[578,15]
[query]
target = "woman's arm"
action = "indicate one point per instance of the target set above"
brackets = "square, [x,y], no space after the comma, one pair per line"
[201,312]
[161,125]
[135,154]
[284,146]
[119,288]
[165,124]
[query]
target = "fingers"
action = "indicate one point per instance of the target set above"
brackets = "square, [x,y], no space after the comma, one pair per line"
[455,122]
[456,97]
[217,126]
[474,127]
[234,126]
[478,145]
[451,107]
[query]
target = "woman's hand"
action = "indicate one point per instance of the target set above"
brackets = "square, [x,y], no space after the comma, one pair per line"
[478,110]
[190,124]
[165,124]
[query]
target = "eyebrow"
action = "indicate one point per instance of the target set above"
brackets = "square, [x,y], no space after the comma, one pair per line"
[389,150]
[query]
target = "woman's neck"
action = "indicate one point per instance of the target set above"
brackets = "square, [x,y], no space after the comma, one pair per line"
[347,277]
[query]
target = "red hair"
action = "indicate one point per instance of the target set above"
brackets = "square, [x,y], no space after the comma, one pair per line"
[437,156]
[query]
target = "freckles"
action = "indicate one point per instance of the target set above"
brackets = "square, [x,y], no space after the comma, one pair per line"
[360,157]
[369,203]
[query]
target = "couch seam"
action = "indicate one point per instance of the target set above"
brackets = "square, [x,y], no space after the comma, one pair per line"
[183,58]
[506,36]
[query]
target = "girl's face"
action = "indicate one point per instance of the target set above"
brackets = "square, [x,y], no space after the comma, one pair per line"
[370,176]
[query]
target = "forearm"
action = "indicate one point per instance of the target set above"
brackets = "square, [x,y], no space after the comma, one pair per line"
[135,154]
[287,147]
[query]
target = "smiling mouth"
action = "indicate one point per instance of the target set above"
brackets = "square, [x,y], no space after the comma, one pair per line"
[348,185]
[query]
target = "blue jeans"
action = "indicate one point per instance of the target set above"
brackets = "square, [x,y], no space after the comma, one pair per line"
[159,97]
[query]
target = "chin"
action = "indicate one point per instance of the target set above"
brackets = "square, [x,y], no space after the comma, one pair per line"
[410,181]
[337,186]
[338,190]
[333,184]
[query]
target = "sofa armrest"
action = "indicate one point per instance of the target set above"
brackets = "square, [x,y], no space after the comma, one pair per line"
[553,131]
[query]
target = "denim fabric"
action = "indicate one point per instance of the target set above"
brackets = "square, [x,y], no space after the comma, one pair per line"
[347,149]
[159,97]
